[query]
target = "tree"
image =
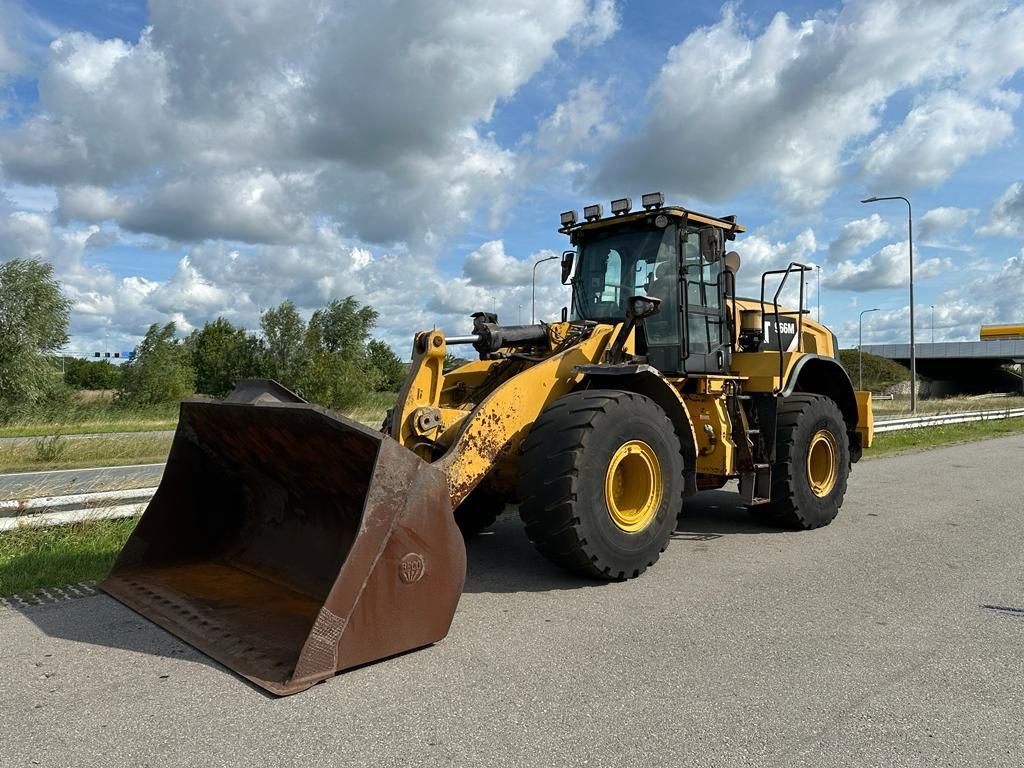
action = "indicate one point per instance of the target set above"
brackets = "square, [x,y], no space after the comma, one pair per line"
[160,372]
[91,374]
[328,379]
[221,355]
[386,363]
[33,325]
[285,351]
[343,327]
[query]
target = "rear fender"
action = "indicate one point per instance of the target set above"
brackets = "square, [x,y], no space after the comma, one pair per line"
[819,375]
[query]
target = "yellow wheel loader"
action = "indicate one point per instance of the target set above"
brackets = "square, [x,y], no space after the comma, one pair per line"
[290,543]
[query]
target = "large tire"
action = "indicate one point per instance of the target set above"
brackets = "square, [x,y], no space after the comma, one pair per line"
[478,511]
[584,447]
[812,464]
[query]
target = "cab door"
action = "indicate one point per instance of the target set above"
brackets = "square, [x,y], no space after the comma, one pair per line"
[706,336]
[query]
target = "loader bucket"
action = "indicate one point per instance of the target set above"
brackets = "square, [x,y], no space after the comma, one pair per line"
[289,544]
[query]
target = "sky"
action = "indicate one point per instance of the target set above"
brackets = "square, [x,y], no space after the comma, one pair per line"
[188,159]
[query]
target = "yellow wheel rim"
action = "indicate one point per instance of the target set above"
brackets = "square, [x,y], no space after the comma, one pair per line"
[633,486]
[822,463]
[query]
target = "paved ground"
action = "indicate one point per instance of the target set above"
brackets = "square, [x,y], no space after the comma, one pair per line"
[863,644]
[23,485]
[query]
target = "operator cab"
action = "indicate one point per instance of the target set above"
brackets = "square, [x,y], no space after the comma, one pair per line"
[667,253]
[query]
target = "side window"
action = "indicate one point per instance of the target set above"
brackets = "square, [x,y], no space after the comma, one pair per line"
[701,277]
[612,277]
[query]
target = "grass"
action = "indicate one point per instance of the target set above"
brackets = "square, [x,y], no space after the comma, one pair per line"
[84,415]
[373,408]
[35,558]
[900,406]
[889,443]
[69,453]
[39,429]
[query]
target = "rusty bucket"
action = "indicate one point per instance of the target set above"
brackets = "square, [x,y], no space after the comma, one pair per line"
[289,543]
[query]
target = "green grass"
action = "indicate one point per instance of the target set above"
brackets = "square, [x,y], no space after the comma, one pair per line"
[69,453]
[83,416]
[39,429]
[878,372]
[889,443]
[371,411]
[900,406]
[33,558]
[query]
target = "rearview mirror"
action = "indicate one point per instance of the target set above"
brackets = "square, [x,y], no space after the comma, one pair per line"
[568,258]
[712,244]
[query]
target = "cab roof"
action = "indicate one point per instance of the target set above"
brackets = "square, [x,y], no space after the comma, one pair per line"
[728,223]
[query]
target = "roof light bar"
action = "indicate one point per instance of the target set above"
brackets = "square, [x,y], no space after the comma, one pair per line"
[652,200]
[621,206]
[593,212]
[568,218]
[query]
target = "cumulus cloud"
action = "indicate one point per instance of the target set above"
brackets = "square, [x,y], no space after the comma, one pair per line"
[956,316]
[855,235]
[246,121]
[1007,217]
[944,221]
[760,253]
[935,138]
[787,106]
[886,268]
[239,282]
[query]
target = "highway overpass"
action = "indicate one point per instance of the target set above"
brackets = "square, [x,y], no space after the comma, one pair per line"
[961,367]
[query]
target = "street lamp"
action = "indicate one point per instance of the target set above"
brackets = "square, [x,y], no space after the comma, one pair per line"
[533,300]
[910,254]
[818,267]
[860,346]
[933,324]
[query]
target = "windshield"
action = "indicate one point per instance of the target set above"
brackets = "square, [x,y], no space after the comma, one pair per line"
[612,266]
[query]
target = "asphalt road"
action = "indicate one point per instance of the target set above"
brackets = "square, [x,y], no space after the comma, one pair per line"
[23,485]
[862,644]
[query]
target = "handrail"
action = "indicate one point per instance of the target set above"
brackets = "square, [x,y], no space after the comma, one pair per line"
[801,268]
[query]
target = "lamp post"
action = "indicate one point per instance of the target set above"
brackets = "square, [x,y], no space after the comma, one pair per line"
[818,292]
[910,254]
[533,293]
[860,346]
[933,324]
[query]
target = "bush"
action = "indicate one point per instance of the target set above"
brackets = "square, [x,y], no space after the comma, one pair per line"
[390,369]
[91,374]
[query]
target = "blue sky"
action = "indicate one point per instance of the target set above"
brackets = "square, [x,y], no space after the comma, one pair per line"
[184,160]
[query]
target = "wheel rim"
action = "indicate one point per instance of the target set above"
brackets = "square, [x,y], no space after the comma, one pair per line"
[822,463]
[633,486]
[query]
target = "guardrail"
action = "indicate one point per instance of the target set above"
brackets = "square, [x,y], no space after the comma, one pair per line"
[939,419]
[80,507]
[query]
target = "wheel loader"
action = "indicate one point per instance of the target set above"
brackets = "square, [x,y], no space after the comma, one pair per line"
[290,543]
